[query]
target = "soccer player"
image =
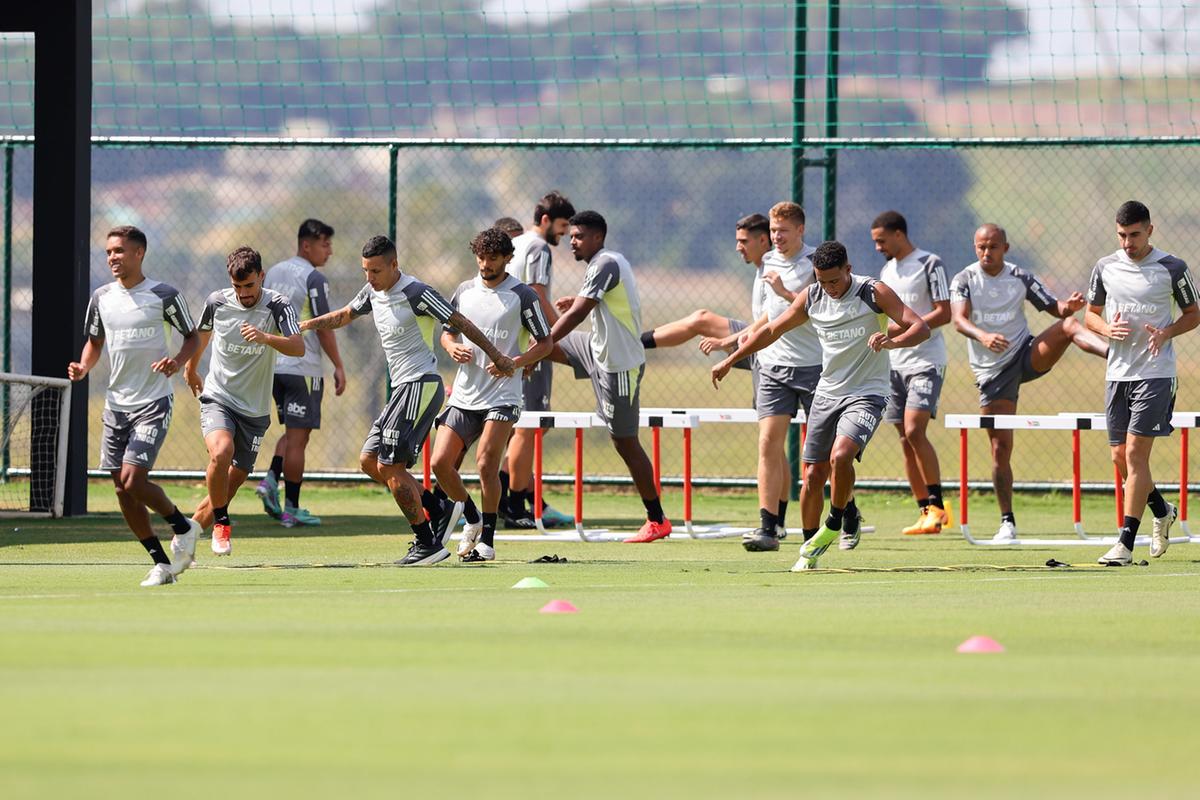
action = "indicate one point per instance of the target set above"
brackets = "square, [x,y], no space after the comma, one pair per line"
[483,406]
[987,306]
[131,314]
[612,356]
[1129,302]
[847,311]
[249,324]
[918,278]
[531,265]
[299,382]
[405,312]
[510,226]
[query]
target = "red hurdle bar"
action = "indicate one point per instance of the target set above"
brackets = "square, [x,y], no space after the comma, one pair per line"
[1120,495]
[1183,475]
[656,440]
[1076,489]
[687,473]
[426,480]
[962,477]
[537,475]
[579,477]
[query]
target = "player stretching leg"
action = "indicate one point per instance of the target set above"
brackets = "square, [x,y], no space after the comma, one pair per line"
[129,314]
[1129,302]
[988,300]
[849,313]
[612,355]
[405,312]
[249,325]
[482,405]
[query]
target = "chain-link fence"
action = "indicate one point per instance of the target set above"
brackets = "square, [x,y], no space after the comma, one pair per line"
[671,211]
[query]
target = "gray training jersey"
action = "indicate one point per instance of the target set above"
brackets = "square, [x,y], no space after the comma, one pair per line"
[617,318]
[508,314]
[531,262]
[241,373]
[799,347]
[406,316]
[998,306]
[848,367]
[919,280]
[133,323]
[1142,292]
[308,291]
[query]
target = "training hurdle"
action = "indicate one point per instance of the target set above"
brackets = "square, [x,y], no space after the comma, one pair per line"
[1074,422]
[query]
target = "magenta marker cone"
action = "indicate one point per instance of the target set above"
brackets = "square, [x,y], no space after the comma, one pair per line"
[558,607]
[981,644]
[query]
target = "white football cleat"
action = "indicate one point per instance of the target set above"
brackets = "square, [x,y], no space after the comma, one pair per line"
[1118,556]
[470,536]
[183,548]
[159,575]
[1160,537]
[1006,533]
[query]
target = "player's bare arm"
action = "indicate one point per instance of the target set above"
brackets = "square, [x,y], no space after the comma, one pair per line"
[170,365]
[330,347]
[190,372]
[459,352]
[960,315]
[288,345]
[795,316]
[92,348]
[775,281]
[331,321]
[544,299]
[541,348]
[1118,329]
[503,364]
[1188,319]
[1069,307]
[710,343]
[574,310]
[913,329]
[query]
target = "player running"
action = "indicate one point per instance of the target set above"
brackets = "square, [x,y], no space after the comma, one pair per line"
[612,356]
[987,306]
[405,312]
[249,325]
[1130,302]
[131,315]
[482,405]
[299,382]
[849,314]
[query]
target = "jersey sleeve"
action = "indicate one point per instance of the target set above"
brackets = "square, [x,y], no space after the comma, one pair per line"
[454,299]
[210,311]
[426,301]
[537,266]
[284,314]
[361,304]
[935,276]
[960,288]
[867,293]
[532,316]
[602,276]
[92,321]
[1182,288]
[1035,292]
[175,309]
[1097,294]
[317,287]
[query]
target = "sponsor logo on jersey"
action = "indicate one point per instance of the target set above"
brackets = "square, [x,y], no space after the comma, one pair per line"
[248,349]
[993,317]
[495,333]
[134,334]
[844,334]
[1135,308]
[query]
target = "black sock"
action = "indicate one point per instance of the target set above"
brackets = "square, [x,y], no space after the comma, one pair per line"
[291,493]
[470,512]
[1129,529]
[221,515]
[155,549]
[782,515]
[850,520]
[519,503]
[808,533]
[923,504]
[432,506]
[935,494]
[834,520]
[648,340]
[1008,516]
[767,520]
[1158,506]
[177,521]
[654,511]
[276,467]
[439,494]
[423,532]
[489,529]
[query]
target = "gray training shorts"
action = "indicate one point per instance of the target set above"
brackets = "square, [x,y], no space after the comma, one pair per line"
[247,432]
[618,394]
[399,432]
[784,390]
[536,386]
[916,390]
[1007,384]
[856,418]
[750,362]
[298,400]
[1143,408]
[135,437]
[468,423]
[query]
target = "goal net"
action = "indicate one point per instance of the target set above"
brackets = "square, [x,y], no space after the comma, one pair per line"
[34,415]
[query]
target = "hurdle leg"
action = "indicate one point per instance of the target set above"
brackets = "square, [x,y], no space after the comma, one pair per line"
[1120,495]
[656,448]
[687,482]
[426,469]
[537,479]
[962,487]
[1183,483]
[583,535]
[1076,488]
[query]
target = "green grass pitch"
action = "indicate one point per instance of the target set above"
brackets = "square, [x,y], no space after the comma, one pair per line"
[693,669]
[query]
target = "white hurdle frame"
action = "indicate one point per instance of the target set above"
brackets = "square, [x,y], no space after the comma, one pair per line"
[1074,422]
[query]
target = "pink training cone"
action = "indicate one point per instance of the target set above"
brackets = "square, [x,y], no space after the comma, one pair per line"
[558,607]
[981,644]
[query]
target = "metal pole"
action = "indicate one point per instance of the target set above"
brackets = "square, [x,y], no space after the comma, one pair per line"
[799,90]
[833,37]
[6,358]
[393,190]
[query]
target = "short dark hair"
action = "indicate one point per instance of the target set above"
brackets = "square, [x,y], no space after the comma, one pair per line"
[788,210]
[379,246]
[509,225]
[492,242]
[891,221]
[591,220]
[130,233]
[754,223]
[554,205]
[314,229]
[830,255]
[1132,212]
[243,262]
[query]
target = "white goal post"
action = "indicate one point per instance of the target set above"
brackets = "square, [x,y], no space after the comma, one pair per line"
[34,423]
